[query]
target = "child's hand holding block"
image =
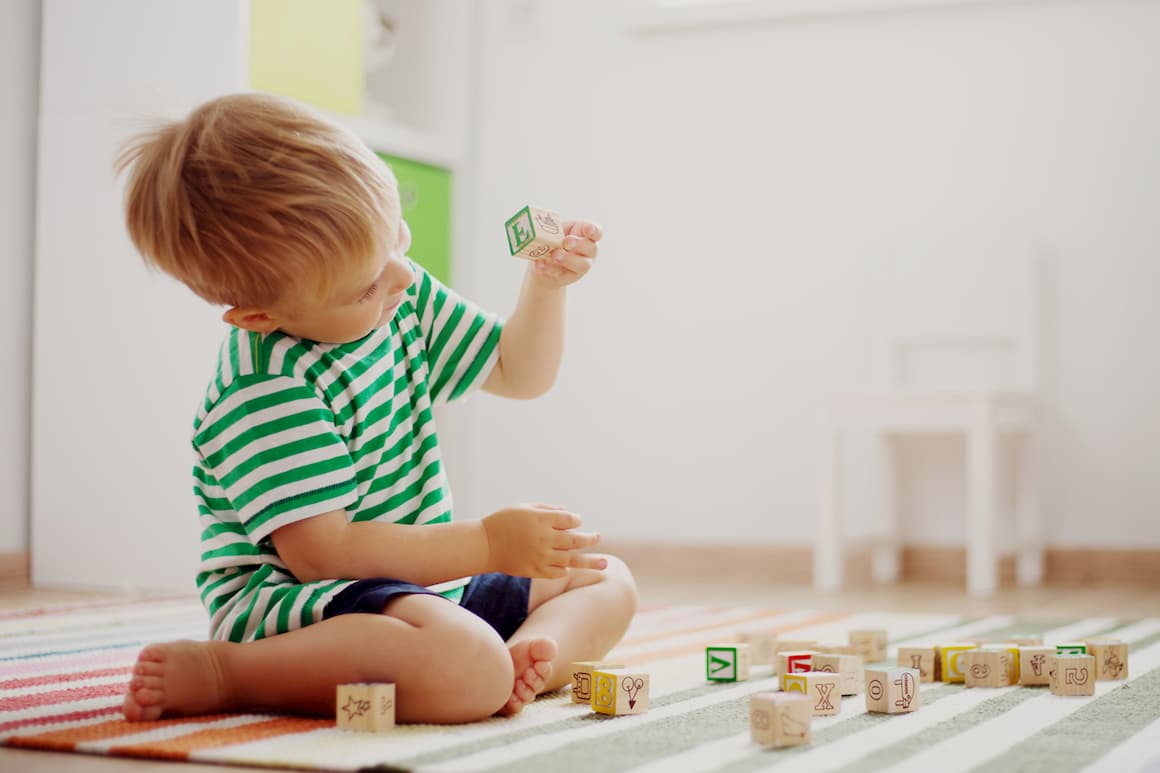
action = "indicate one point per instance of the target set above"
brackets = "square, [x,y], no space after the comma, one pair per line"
[780,719]
[847,667]
[987,668]
[871,644]
[582,678]
[1073,675]
[951,660]
[533,233]
[365,707]
[892,690]
[1111,658]
[923,659]
[727,662]
[823,690]
[1035,665]
[619,691]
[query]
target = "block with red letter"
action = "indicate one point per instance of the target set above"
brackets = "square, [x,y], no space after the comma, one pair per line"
[823,690]
[871,643]
[366,707]
[727,662]
[790,645]
[619,691]
[779,718]
[533,233]
[582,678]
[922,659]
[892,690]
[847,667]
[987,668]
[1073,675]
[793,662]
[1035,665]
[1111,658]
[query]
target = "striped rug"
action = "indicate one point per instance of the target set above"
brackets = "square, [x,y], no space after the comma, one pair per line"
[63,671]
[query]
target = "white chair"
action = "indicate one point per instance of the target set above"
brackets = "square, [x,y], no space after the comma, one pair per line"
[955,343]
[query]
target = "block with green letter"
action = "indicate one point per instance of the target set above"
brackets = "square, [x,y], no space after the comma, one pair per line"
[533,233]
[727,662]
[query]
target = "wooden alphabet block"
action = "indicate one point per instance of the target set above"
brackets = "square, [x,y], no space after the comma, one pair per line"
[988,668]
[619,691]
[892,690]
[1013,664]
[1073,674]
[582,678]
[823,690]
[1071,648]
[365,707]
[727,662]
[780,719]
[871,644]
[924,660]
[1035,665]
[1111,658]
[847,667]
[762,645]
[1024,639]
[793,662]
[951,660]
[790,645]
[533,233]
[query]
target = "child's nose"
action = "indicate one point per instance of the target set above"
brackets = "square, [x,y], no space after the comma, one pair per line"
[399,276]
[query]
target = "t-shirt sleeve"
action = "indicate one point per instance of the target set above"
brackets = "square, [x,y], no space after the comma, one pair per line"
[272,445]
[462,340]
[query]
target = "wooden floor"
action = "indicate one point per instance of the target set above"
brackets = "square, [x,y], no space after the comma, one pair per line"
[1055,602]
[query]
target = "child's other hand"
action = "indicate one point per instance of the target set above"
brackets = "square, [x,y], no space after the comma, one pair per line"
[566,265]
[538,541]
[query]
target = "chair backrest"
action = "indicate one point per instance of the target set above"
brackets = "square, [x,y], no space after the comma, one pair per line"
[966,317]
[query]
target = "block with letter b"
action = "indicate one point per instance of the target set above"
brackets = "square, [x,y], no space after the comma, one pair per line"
[366,707]
[582,678]
[1035,665]
[892,690]
[922,659]
[1073,675]
[780,719]
[823,690]
[533,233]
[727,662]
[620,691]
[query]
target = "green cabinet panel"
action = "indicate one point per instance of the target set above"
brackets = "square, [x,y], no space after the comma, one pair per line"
[425,192]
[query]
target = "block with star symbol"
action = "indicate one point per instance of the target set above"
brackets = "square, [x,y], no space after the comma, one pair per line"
[368,708]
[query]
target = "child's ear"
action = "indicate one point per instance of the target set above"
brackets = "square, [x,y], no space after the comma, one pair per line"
[250,318]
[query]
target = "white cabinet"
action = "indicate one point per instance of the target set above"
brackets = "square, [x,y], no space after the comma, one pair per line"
[122,355]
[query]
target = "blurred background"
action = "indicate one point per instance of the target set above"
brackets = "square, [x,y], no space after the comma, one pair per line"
[924,218]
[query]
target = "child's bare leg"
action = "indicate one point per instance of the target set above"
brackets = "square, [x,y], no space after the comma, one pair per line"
[447,666]
[579,617]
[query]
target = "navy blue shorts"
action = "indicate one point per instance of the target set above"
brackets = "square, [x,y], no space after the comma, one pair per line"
[500,600]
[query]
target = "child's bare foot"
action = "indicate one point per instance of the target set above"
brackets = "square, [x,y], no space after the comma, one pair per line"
[532,659]
[176,678]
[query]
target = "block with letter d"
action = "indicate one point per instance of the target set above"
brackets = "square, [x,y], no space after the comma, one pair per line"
[620,691]
[727,662]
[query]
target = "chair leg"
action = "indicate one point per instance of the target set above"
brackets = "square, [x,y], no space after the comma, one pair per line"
[885,557]
[1028,529]
[982,563]
[828,545]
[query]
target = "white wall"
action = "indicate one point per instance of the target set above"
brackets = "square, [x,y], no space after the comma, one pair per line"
[20,51]
[746,176]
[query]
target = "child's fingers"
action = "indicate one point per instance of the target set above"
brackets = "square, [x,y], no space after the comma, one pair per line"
[562,259]
[583,228]
[575,245]
[589,561]
[564,520]
[571,540]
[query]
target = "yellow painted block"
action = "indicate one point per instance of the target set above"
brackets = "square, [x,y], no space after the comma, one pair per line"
[620,691]
[954,666]
[582,678]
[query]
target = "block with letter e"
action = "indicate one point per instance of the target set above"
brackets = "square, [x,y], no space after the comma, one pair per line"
[619,691]
[727,662]
[779,718]
[892,690]
[533,233]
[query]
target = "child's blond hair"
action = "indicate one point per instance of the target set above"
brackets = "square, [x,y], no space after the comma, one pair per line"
[252,196]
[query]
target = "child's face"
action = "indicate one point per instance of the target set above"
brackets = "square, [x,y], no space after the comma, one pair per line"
[361,298]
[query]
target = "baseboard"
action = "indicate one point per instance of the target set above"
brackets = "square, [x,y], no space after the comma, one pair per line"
[793,565]
[14,570]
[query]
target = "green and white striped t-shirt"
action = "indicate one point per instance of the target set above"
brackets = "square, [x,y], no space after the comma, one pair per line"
[292,428]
